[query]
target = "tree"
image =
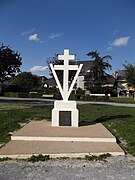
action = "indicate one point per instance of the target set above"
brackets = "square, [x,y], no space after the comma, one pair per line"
[26,80]
[130,74]
[10,62]
[98,70]
[54,60]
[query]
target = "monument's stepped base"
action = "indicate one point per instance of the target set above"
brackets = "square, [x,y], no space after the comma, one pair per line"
[24,149]
[39,137]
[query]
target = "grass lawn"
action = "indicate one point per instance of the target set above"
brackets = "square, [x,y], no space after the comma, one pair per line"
[129,100]
[13,115]
[119,120]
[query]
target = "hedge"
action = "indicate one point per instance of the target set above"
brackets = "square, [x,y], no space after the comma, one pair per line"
[17,94]
[95,98]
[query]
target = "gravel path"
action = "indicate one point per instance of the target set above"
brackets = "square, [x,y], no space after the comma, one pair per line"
[118,168]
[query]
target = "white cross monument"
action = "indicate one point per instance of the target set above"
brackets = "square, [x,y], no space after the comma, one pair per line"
[64,112]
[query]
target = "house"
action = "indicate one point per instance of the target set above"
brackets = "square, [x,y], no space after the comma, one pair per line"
[50,82]
[84,81]
[121,83]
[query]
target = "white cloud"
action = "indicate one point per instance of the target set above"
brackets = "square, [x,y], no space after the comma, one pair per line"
[109,48]
[38,68]
[34,37]
[55,35]
[28,32]
[122,41]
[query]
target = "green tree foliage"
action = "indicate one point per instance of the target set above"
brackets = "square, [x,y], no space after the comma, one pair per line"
[10,62]
[98,70]
[130,73]
[54,60]
[26,80]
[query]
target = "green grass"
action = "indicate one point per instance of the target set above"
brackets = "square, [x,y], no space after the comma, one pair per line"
[101,157]
[11,118]
[13,106]
[119,120]
[122,100]
[40,157]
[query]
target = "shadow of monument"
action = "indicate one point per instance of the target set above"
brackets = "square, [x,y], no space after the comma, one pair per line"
[114,117]
[104,119]
[86,123]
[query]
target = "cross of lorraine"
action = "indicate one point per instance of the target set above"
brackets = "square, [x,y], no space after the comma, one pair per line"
[66,91]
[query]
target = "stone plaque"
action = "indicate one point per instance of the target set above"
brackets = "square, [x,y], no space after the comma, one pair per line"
[64,118]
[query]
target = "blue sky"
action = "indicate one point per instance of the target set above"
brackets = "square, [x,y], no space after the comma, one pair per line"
[40,28]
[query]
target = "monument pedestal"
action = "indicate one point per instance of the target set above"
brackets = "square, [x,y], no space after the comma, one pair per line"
[65,113]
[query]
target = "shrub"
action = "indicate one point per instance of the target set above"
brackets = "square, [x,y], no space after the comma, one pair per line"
[35,94]
[77,95]
[101,157]
[16,94]
[14,88]
[95,98]
[100,90]
[40,157]
[5,159]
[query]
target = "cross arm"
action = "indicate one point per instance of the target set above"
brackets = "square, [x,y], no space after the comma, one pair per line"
[70,67]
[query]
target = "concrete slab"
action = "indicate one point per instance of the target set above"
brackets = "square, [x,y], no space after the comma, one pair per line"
[39,137]
[43,131]
[24,149]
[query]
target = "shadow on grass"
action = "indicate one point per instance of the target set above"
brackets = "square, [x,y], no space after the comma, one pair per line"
[104,119]
[86,123]
[108,118]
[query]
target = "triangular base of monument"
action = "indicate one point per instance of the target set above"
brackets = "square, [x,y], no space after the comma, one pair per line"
[39,137]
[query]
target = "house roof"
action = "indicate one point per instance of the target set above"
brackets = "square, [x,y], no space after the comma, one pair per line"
[110,79]
[121,75]
[50,82]
[87,65]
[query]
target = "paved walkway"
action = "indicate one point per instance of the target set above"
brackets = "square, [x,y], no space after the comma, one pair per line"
[107,103]
[51,102]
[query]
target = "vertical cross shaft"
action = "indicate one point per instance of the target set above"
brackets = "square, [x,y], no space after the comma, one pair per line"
[66,57]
